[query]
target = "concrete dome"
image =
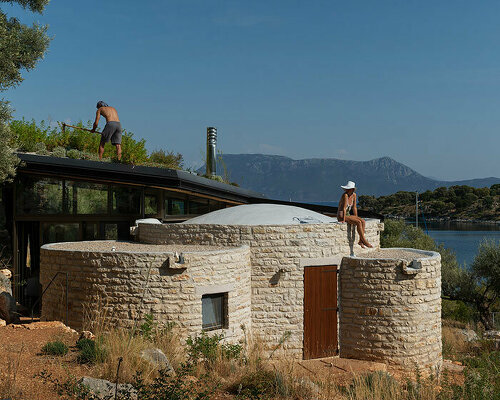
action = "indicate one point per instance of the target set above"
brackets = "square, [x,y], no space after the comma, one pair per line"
[262,214]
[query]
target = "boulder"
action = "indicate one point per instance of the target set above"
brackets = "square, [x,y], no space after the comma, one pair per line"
[5,285]
[86,335]
[8,309]
[158,359]
[6,272]
[468,335]
[105,390]
[492,335]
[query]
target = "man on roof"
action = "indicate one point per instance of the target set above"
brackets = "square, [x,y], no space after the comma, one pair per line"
[112,131]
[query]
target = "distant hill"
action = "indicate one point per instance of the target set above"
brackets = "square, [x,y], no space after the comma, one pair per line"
[318,179]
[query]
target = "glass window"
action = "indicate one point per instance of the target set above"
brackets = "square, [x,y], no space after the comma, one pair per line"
[126,200]
[150,204]
[39,196]
[90,231]
[216,205]
[214,311]
[88,198]
[110,231]
[54,233]
[175,207]
[198,206]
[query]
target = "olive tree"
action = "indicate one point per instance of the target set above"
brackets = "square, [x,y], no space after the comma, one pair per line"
[485,271]
[21,46]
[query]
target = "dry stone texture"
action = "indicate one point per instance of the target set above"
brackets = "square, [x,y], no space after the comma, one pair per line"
[389,315]
[275,255]
[110,285]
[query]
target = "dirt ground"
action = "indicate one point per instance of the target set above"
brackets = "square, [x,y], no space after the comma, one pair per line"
[21,362]
[21,359]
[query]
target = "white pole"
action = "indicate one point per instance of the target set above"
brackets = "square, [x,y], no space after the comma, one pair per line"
[416,209]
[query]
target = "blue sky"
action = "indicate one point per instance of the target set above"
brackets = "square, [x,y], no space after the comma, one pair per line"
[418,81]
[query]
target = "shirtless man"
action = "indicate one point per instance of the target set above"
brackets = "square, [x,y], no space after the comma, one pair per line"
[112,131]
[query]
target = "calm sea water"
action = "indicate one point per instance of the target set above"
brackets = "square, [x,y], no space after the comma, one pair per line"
[462,238]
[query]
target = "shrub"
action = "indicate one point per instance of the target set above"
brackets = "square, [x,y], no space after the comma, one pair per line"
[457,310]
[73,153]
[203,347]
[59,152]
[148,327]
[40,148]
[56,348]
[179,388]
[90,351]
[167,159]
[260,384]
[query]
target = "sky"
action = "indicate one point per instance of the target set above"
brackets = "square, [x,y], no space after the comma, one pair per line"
[418,81]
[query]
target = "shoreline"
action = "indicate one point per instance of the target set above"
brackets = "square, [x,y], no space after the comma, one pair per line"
[433,219]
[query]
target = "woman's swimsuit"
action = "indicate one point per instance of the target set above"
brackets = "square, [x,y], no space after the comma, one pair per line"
[348,208]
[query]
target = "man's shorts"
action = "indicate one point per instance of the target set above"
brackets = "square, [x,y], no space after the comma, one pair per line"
[112,131]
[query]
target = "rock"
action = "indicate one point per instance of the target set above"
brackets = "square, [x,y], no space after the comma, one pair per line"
[157,358]
[5,285]
[6,272]
[2,322]
[468,335]
[8,309]
[492,335]
[86,335]
[104,389]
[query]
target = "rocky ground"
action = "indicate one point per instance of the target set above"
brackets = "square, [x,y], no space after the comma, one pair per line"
[22,363]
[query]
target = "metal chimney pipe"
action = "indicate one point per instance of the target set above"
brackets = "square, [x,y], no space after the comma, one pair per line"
[211,144]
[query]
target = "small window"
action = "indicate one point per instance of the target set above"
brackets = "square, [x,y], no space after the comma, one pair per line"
[214,311]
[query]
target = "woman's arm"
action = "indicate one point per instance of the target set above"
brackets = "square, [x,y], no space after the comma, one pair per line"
[341,211]
[354,208]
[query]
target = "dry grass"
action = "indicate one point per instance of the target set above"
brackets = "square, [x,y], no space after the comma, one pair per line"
[254,372]
[454,343]
[127,345]
[8,378]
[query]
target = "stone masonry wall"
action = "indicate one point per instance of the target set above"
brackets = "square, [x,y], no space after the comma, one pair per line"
[277,298]
[389,315]
[111,285]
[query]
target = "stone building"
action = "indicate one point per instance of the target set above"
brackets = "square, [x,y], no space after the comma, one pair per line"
[261,269]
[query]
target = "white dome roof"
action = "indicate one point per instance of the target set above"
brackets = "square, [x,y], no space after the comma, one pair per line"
[262,214]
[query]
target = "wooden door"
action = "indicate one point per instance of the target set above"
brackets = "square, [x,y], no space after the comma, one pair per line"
[320,311]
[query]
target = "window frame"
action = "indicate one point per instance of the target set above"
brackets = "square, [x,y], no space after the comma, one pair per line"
[224,312]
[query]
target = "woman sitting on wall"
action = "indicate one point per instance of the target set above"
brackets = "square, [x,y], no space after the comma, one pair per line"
[347,212]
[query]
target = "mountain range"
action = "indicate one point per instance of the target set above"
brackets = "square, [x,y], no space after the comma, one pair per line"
[318,179]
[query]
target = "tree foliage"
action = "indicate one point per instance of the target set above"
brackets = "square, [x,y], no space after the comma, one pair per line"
[8,159]
[460,201]
[21,47]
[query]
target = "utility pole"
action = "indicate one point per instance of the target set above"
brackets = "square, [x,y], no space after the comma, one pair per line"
[416,209]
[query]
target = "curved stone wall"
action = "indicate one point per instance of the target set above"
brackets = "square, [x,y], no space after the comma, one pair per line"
[111,282]
[390,308]
[279,254]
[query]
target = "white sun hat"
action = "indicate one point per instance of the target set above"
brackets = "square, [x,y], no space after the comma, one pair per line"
[350,185]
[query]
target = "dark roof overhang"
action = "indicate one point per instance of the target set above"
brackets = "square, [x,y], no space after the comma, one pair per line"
[137,175]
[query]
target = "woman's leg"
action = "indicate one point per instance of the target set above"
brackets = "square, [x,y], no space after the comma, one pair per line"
[360,225]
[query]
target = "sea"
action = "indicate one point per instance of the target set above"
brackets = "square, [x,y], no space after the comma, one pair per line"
[461,237]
